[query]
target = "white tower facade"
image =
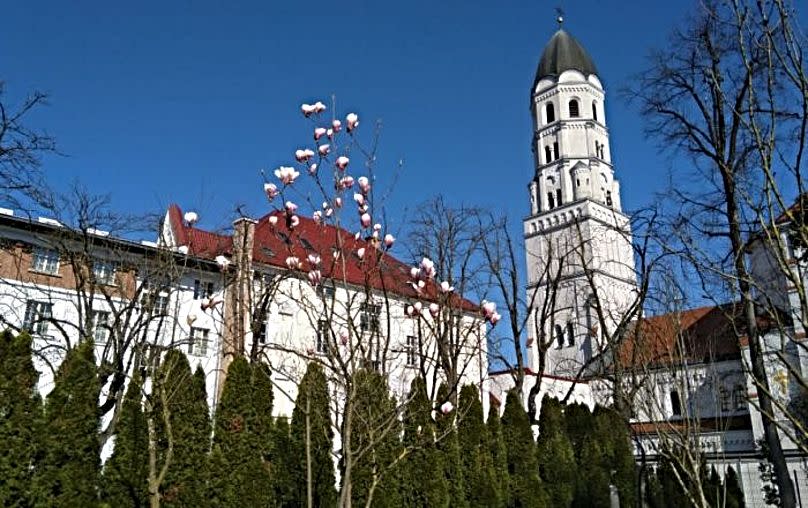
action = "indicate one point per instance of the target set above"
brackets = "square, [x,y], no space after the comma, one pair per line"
[580,261]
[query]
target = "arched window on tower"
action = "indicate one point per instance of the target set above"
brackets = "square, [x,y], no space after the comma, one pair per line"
[559,333]
[550,201]
[597,148]
[558,197]
[594,111]
[676,403]
[550,113]
[555,150]
[608,198]
[575,110]
[570,334]
[548,156]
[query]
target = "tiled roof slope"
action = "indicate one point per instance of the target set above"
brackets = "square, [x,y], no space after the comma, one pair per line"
[273,244]
[701,335]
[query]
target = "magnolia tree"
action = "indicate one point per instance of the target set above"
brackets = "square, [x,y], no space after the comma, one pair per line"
[367,313]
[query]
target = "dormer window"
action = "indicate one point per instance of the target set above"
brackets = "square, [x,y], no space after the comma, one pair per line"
[550,113]
[575,110]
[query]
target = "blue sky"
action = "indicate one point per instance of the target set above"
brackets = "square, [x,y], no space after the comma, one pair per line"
[161,102]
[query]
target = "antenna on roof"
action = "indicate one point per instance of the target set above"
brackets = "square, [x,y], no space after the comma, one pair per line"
[559,16]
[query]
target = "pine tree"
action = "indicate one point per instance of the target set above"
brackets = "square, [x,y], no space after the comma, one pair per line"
[654,497]
[619,458]
[70,469]
[186,400]
[712,486]
[125,481]
[592,483]
[733,490]
[450,449]
[20,416]
[499,455]
[476,460]
[423,483]
[376,429]
[525,486]
[672,491]
[237,477]
[556,456]
[311,420]
[284,462]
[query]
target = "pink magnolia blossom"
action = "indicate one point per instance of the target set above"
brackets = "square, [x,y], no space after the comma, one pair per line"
[343,337]
[410,310]
[335,254]
[427,268]
[418,306]
[389,240]
[313,169]
[286,175]
[377,227]
[415,272]
[222,261]
[271,190]
[495,317]
[294,221]
[352,120]
[359,198]
[330,133]
[292,262]
[314,259]
[445,287]
[324,149]
[209,303]
[319,107]
[273,219]
[357,235]
[489,308]
[434,309]
[319,132]
[346,182]
[190,319]
[375,235]
[329,212]
[290,207]
[336,125]
[365,219]
[342,162]
[317,217]
[363,208]
[315,277]
[421,284]
[191,218]
[360,252]
[446,407]
[364,184]
[338,202]
[307,109]
[310,350]
[302,155]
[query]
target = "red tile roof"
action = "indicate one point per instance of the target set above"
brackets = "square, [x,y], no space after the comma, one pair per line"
[273,244]
[701,334]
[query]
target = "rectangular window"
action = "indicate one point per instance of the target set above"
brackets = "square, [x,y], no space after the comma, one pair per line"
[202,289]
[154,303]
[198,342]
[45,260]
[739,397]
[411,350]
[261,335]
[323,334]
[36,318]
[676,404]
[369,317]
[101,329]
[725,399]
[104,272]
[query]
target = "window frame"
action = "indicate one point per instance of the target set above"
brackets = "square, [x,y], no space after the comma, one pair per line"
[35,320]
[101,331]
[411,351]
[575,112]
[198,344]
[106,279]
[42,257]
[370,317]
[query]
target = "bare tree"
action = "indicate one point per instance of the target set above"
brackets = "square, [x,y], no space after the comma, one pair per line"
[21,150]
[723,96]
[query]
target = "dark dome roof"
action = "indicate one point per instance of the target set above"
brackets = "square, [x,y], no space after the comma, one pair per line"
[561,54]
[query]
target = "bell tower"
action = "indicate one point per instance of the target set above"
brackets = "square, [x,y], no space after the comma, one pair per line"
[579,253]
